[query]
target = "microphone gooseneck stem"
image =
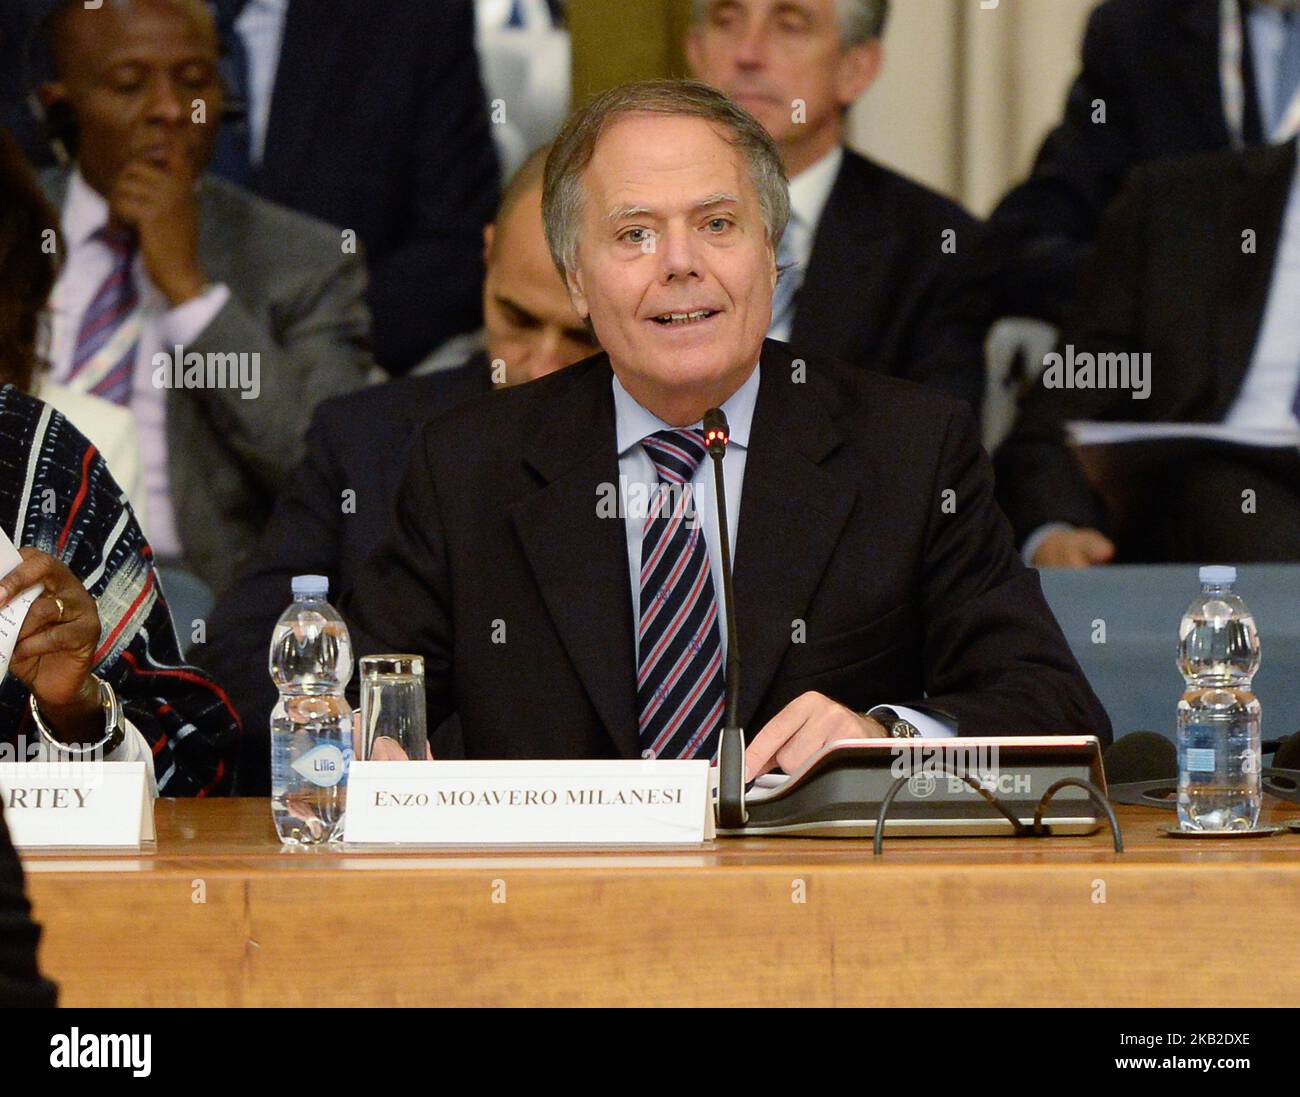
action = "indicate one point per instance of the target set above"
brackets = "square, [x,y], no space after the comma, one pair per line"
[729,607]
[731,812]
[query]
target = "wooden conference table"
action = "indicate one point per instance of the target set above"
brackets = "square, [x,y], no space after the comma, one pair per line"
[218,914]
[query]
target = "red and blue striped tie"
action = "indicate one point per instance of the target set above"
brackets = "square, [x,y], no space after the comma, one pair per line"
[114,304]
[679,673]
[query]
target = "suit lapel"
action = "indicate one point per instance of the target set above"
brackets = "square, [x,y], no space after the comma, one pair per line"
[1255,198]
[54,183]
[846,250]
[1197,59]
[223,231]
[577,552]
[793,509]
[313,31]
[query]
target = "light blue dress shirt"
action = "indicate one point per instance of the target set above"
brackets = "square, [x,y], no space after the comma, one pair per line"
[638,481]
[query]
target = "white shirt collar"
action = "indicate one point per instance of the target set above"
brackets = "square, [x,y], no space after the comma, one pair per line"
[85,212]
[633,422]
[278,8]
[811,188]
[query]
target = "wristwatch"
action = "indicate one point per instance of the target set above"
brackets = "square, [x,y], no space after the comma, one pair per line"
[895,726]
[114,726]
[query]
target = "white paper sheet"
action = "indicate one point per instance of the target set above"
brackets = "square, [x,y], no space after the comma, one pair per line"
[13,613]
[1087,433]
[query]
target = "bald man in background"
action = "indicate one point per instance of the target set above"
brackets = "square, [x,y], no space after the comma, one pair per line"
[337,505]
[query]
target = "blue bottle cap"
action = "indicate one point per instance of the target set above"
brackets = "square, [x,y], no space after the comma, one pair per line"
[310,585]
[1218,576]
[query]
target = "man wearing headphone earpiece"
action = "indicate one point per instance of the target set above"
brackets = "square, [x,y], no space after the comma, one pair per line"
[218,318]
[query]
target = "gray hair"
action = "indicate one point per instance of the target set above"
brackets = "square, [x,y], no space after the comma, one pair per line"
[562,195]
[860,20]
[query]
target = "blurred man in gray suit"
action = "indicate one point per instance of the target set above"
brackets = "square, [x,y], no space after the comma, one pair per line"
[218,318]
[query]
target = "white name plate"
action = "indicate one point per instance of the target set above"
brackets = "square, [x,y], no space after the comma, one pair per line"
[76,804]
[529,803]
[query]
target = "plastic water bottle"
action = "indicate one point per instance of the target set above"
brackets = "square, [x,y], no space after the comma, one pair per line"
[1218,716]
[311,725]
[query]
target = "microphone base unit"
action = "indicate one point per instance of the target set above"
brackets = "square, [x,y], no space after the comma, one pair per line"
[840,792]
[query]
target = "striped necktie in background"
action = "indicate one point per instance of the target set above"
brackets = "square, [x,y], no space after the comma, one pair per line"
[103,361]
[679,673]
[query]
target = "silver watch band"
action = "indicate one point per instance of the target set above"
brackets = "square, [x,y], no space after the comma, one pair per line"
[114,726]
[903,729]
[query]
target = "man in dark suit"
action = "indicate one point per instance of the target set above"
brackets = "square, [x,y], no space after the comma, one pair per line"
[339,501]
[21,984]
[370,115]
[1152,87]
[873,268]
[1197,266]
[548,558]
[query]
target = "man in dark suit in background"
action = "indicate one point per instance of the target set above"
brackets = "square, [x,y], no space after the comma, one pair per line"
[1197,265]
[21,984]
[872,264]
[549,561]
[339,502]
[370,115]
[1161,79]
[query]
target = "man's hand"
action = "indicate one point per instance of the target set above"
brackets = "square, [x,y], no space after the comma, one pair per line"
[160,204]
[1074,548]
[801,729]
[56,646]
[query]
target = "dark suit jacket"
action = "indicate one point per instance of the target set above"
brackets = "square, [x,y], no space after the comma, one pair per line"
[1170,277]
[879,290]
[379,124]
[1155,65]
[18,20]
[842,526]
[20,981]
[358,443]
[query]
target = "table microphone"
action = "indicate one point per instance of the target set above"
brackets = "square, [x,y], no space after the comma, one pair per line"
[1287,754]
[1140,756]
[1282,778]
[1142,768]
[731,746]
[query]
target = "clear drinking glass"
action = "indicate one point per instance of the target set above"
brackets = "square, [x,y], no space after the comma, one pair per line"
[393,725]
